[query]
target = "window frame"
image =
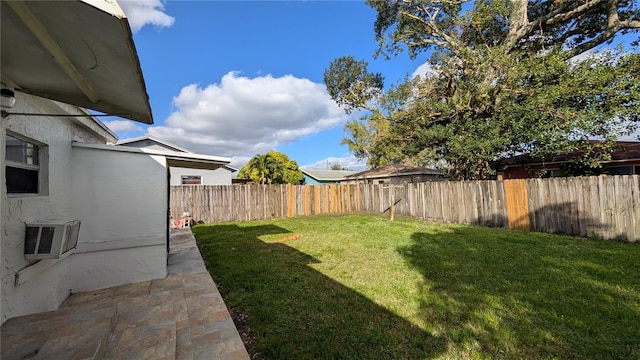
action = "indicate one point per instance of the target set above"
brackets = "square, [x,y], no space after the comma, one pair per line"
[184,177]
[40,168]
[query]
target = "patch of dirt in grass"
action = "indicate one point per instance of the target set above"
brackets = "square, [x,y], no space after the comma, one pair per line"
[289,238]
[246,334]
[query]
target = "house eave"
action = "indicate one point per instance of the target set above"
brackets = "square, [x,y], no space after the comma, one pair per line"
[79,52]
[174,158]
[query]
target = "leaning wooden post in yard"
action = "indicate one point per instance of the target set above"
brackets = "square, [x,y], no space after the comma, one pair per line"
[392,200]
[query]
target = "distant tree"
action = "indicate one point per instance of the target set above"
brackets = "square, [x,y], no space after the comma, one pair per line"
[504,80]
[258,169]
[337,166]
[272,168]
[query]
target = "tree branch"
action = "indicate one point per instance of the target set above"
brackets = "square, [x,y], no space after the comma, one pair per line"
[613,26]
[525,28]
[522,29]
[439,38]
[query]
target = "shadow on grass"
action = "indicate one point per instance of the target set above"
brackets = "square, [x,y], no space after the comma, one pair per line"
[294,311]
[565,218]
[516,294]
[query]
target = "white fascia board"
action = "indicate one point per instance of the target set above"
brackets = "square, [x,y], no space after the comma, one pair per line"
[109,6]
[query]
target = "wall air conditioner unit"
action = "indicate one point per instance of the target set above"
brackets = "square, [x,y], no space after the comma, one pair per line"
[50,239]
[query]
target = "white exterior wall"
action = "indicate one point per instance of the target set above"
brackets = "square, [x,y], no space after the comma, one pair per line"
[47,288]
[220,176]
[122,200]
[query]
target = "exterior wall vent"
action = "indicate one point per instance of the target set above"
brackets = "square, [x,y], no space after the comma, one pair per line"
[50,239]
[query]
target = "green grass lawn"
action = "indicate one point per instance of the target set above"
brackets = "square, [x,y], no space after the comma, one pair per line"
[362,287]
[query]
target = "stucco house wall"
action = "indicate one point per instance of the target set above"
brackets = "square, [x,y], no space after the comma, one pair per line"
[121,198]
[52,285]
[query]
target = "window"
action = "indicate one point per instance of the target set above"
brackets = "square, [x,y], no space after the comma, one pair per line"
[619,170]
[637,170]
[191,180]
[549,173]
[23,166]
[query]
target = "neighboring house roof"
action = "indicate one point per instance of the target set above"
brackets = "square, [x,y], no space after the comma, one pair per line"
[79,52]
[630,151]
[142,140]
[394,170]
[327,175]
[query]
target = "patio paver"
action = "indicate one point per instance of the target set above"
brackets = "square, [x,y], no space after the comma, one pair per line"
[181,316]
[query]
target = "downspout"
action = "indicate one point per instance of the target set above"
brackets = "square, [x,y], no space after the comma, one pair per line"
[168,230]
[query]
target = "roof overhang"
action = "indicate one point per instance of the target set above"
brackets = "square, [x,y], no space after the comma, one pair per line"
[79,52]
[173,158]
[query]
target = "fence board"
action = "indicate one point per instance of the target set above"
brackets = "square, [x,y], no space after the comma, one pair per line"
[517,204]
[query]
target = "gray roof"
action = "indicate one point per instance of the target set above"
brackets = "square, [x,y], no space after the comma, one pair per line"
[394,170]
[134,142]
[327,175]
[162,143]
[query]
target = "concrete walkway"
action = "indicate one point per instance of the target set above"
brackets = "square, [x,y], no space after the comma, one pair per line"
[181,316]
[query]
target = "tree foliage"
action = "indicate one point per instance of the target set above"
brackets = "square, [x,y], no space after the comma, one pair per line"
[351,85]
[272,167]
[505,79]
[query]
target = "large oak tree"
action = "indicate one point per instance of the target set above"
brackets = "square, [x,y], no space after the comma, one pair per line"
[506,77]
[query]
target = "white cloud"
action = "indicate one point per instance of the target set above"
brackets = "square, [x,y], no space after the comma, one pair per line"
[145,12]
[423,70]
[349,162]
[122,125]
[246,116]
[239,161]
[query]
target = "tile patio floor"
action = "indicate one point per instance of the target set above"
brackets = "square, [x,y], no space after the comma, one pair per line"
[181,316]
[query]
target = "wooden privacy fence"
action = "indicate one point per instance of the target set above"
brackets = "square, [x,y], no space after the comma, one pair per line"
[602,207]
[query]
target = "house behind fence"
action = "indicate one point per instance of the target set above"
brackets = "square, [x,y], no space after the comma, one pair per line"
[606,207]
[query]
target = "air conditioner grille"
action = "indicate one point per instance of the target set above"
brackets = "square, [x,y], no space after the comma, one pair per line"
[46,239]
[31,240]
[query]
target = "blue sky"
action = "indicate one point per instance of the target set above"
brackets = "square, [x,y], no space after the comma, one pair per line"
[237,78]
